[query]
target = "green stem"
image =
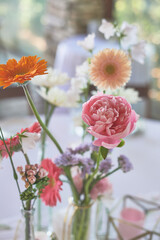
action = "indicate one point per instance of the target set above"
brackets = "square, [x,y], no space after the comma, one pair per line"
[13,168]
[28,205]
[74,190]
[48,115]
[26,158]
[88,183]
[116,169]
[100,177]
[39,119]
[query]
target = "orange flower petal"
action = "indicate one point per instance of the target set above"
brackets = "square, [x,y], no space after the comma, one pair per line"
[23,70]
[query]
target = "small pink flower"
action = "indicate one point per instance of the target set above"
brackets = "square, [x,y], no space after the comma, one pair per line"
[42,173]
[32,179]
[34,167]
[110,118]
[19,169]
[26,184]
[23,177]
[78,182]
[31,172]
[101,188]
[27,167]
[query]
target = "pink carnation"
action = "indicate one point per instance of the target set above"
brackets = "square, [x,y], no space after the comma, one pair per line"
[101,188]
[35,128]
[11,143]
[110,118]
[50,194]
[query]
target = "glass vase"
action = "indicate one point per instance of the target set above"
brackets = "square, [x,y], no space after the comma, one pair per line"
[44,214]
[80,223]
[102,214]
[27,229]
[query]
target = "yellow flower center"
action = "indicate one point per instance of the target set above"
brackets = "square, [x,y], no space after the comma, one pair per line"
[52,182]
[110,69]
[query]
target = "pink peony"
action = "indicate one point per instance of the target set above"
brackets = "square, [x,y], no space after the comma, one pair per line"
[110,118]
[78,182]
[50,194]
[101,188]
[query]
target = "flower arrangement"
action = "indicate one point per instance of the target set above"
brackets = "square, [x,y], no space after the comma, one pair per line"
[37,177]
[107,117]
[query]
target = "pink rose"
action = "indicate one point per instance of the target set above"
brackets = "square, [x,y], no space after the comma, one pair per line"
[110,118]
[101,188]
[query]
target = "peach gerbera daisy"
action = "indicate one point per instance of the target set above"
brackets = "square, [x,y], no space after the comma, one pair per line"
[110,68]
[23,70]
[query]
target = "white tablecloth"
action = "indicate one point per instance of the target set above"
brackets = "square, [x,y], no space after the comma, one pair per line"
[143,149]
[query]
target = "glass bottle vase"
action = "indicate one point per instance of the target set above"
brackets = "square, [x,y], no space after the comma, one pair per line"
[27,229]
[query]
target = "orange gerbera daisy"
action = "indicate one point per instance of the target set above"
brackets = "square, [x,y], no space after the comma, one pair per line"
[22,71]
[110,68]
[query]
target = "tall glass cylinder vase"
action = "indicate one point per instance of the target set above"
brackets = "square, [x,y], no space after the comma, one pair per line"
[44,214]
[26,228]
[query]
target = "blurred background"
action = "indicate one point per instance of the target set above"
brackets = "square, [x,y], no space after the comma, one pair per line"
[47,27]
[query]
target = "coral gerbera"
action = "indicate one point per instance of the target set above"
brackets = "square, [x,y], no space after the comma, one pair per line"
[23,70]
[50,194]
[110,68]
[12,145]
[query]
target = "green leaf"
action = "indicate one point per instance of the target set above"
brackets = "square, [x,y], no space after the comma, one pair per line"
[28,194]
[104,152]
[122,143]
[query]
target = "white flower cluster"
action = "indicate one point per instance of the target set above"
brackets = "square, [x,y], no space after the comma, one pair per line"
[82,75]
[51,79]
[88,43]
[51,92]
[128,37]
[130,94]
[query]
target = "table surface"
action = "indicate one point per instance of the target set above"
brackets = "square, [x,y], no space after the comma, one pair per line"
[142,148]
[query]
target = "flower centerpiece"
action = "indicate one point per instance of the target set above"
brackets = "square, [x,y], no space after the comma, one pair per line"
[107,118]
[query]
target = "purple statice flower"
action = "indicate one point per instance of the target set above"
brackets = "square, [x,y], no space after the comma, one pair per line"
[82,148]
[66,159]
[94,148]
[87,164]
[105,165]
[124,163]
